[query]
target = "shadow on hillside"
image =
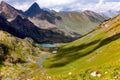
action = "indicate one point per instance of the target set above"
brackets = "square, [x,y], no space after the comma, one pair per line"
[3,52]
[71,54]
[5,56]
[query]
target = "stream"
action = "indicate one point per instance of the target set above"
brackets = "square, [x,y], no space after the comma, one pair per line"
[39,62]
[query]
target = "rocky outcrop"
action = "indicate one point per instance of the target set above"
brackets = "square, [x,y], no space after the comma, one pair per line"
[36,11]
[8,11]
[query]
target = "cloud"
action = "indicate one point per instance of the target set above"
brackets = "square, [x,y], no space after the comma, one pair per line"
[56,4]
[49,3]
[112,0]
[20,4]
[69,5]
[105,5]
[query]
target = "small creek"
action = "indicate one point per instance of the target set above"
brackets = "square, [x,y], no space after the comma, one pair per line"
[39,62]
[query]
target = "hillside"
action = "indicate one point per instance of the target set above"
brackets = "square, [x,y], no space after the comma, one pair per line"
[8,11]
[81,23]
[17,24]
[22,28]
[96,53]
[17,56]
[72,23]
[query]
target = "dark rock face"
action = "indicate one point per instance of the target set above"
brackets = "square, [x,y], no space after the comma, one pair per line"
[36,11]
[5,26]
[22,27]
[33,10]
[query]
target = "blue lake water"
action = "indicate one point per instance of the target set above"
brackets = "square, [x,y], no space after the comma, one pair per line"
[48,45]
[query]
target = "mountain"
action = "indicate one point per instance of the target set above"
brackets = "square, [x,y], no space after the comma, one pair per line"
[22,27]
[72,23]
[81,23]
[8,11]
[69,22]
[69,25]
[96,53]
[33,10]
[95,56]
[36,11]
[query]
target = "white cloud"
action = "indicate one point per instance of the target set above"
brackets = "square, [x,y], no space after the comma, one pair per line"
[69,5]
[22,7]
[78,5]
[100,3]
[105,6]
[49,3]
[55,4]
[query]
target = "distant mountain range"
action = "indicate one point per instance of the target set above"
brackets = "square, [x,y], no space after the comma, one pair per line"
[81,23]
[69,22]
[48,26]
[21,27]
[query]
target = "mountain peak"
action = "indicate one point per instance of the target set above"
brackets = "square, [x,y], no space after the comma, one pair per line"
[9,11]
[88,11]
[33,10]
[19,17]
[35,5]
[3,3]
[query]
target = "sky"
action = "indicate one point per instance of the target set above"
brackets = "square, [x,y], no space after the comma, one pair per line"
[68,5]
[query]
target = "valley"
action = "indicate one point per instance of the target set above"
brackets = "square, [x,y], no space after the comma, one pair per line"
[43,44]
[97,51]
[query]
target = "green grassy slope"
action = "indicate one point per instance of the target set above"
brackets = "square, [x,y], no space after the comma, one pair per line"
[97,51]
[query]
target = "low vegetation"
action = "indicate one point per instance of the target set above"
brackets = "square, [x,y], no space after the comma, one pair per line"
[97,53]
[17,56]
[96,56]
